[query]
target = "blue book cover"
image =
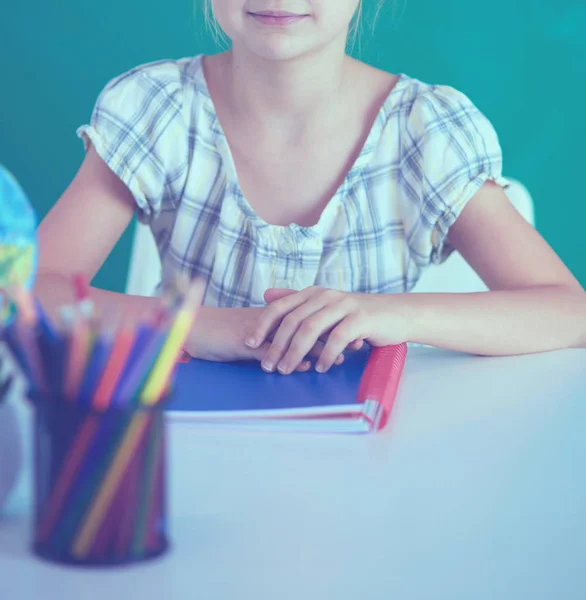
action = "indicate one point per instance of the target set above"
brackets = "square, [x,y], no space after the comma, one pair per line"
[343,399]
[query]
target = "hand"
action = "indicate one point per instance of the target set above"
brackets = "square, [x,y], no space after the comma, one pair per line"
[219,335]
[343,319]
[273,295]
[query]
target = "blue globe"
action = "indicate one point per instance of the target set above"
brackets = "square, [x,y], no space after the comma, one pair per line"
[18,245]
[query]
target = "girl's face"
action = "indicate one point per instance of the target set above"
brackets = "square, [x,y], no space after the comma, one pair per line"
[284,29]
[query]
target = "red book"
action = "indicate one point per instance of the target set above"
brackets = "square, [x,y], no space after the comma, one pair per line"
[356,397]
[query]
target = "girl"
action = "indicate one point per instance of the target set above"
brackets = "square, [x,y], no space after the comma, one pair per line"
[310,191]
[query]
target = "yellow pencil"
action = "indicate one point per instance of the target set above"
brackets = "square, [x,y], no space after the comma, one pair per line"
[159,376]
[80,346]
[155,386]
[85,538]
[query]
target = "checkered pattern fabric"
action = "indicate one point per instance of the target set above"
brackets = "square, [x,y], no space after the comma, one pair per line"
[429,151]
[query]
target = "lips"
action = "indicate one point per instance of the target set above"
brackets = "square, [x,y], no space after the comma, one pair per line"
[275,13]
[276,17]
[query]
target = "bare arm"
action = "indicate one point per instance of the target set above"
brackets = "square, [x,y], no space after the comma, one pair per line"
[535,303]
[79,233]
[77,236]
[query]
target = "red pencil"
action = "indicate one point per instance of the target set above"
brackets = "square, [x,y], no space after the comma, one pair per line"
[81,287]
[115,366]
[67,474]
[79,346]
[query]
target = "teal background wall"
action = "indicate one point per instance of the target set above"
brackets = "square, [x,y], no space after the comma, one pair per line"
[522,62]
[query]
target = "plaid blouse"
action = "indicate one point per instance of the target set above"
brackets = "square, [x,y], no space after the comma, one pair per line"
[429,151]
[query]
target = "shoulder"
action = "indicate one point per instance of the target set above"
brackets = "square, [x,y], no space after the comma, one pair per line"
[440,111]
[370,88]
[155,86]
[419,108]
[140,128]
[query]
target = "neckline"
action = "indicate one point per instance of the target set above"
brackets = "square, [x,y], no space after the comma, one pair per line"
[352,175]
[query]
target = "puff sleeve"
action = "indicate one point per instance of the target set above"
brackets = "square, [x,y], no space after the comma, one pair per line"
[449,151]
[138,128]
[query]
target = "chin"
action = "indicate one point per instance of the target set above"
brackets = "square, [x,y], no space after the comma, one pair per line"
[276,48]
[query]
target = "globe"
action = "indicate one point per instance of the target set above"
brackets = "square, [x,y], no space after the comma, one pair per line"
[18,248]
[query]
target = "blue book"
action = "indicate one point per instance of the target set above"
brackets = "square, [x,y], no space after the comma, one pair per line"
[356,397]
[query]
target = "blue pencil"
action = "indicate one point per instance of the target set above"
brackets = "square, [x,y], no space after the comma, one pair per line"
[144,334]
[141,361]
[47,329]
[95,368]
[53,345]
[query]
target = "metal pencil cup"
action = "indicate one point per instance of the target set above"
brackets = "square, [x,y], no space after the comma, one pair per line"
[100,483]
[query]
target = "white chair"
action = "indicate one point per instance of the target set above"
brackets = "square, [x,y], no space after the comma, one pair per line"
[455,275]
[144,273]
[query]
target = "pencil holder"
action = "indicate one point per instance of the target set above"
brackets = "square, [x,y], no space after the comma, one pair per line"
[100,483]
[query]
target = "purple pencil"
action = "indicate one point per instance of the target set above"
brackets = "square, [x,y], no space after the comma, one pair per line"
[133,380]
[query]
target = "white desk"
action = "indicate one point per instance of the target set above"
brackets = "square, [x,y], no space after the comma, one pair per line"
[477,490]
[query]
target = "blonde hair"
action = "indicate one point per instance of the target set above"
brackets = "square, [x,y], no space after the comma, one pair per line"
[354,33]
[213,26]
[356,25]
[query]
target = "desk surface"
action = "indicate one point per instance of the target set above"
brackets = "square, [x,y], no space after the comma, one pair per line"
[475,490]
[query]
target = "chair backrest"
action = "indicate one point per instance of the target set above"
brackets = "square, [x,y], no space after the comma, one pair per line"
[455,275]
[144,273]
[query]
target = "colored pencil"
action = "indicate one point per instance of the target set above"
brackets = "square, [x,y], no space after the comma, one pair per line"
[180,330]
[142,364]
[94,370]
[127,448]
[103,498]
[67,474]
[82,487]
[119,356]
[27,335]
[53,345]
[129,490]
[146,488]
[47,328]
[85,304]
[79,347]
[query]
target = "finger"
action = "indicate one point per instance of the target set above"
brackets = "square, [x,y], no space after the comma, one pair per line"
[307,334]
[273,315]
[304,366]
[288,328]
[274,294]
[356,345]
[316,351]
[258,353]
[339,339]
